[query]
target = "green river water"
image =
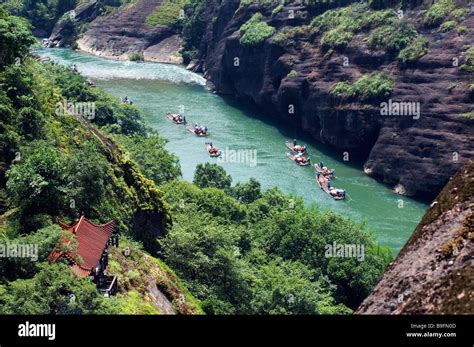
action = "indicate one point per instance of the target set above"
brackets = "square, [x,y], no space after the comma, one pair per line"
[159,88]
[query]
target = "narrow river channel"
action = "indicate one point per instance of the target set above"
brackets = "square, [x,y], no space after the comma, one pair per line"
[159,88]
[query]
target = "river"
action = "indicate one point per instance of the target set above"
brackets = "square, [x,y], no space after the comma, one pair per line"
[159,88]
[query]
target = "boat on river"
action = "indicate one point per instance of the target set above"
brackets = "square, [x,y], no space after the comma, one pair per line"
[324,184]
[299,159]
[176,118]
[214,152]
[295,148]
[126,101]
[328,173]
[198,131]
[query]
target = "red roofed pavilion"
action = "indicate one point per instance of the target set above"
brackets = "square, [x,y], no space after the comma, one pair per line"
[93,241]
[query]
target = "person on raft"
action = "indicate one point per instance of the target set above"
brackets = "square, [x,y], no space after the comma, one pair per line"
[323,181]
[336,192]
[200,130]
[127,101]
[298,148]
[302,160]
[212,149]
[74,68]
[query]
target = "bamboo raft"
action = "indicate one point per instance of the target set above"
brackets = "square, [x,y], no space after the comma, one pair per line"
[293,158]
[291,147]
[325,188]
[171,117]
[320,170]
[193,130]
[212,155]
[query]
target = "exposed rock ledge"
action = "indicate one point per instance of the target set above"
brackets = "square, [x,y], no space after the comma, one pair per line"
[434,272]
[125,32]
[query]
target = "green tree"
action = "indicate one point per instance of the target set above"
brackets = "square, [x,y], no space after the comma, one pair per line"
[15,38]
[151,156]
[53,290]
[44,239]
[212,175]
[37,183]
[247,192]
[86,177]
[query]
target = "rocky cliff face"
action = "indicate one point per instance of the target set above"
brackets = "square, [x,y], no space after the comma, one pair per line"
[125,32]
[292,82]
[434,272]
[64,30]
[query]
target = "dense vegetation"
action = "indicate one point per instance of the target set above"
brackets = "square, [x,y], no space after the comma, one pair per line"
[369,87]
[251,252]
[168,13]
[43,13]
[51,166]
[193,28]
[237,249]
[254,32]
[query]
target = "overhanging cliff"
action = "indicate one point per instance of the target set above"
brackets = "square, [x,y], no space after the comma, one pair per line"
[434,272]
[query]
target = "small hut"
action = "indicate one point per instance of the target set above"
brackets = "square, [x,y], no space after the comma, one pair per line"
[91,256]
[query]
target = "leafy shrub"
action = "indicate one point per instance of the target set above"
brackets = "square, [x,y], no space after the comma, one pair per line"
[468,115]
[254,31]
[463,30]
[292,73]
[447,26]
[285,36]
[168,13]
[374,85]
[341,89]
[355,17]
[339,25]
[368,87]
[468,61]
[336,38]
[277,9]
[136,56]
[374,19]
[438,12]
[349,18]
[391,38]
[459,14]
[414,51]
